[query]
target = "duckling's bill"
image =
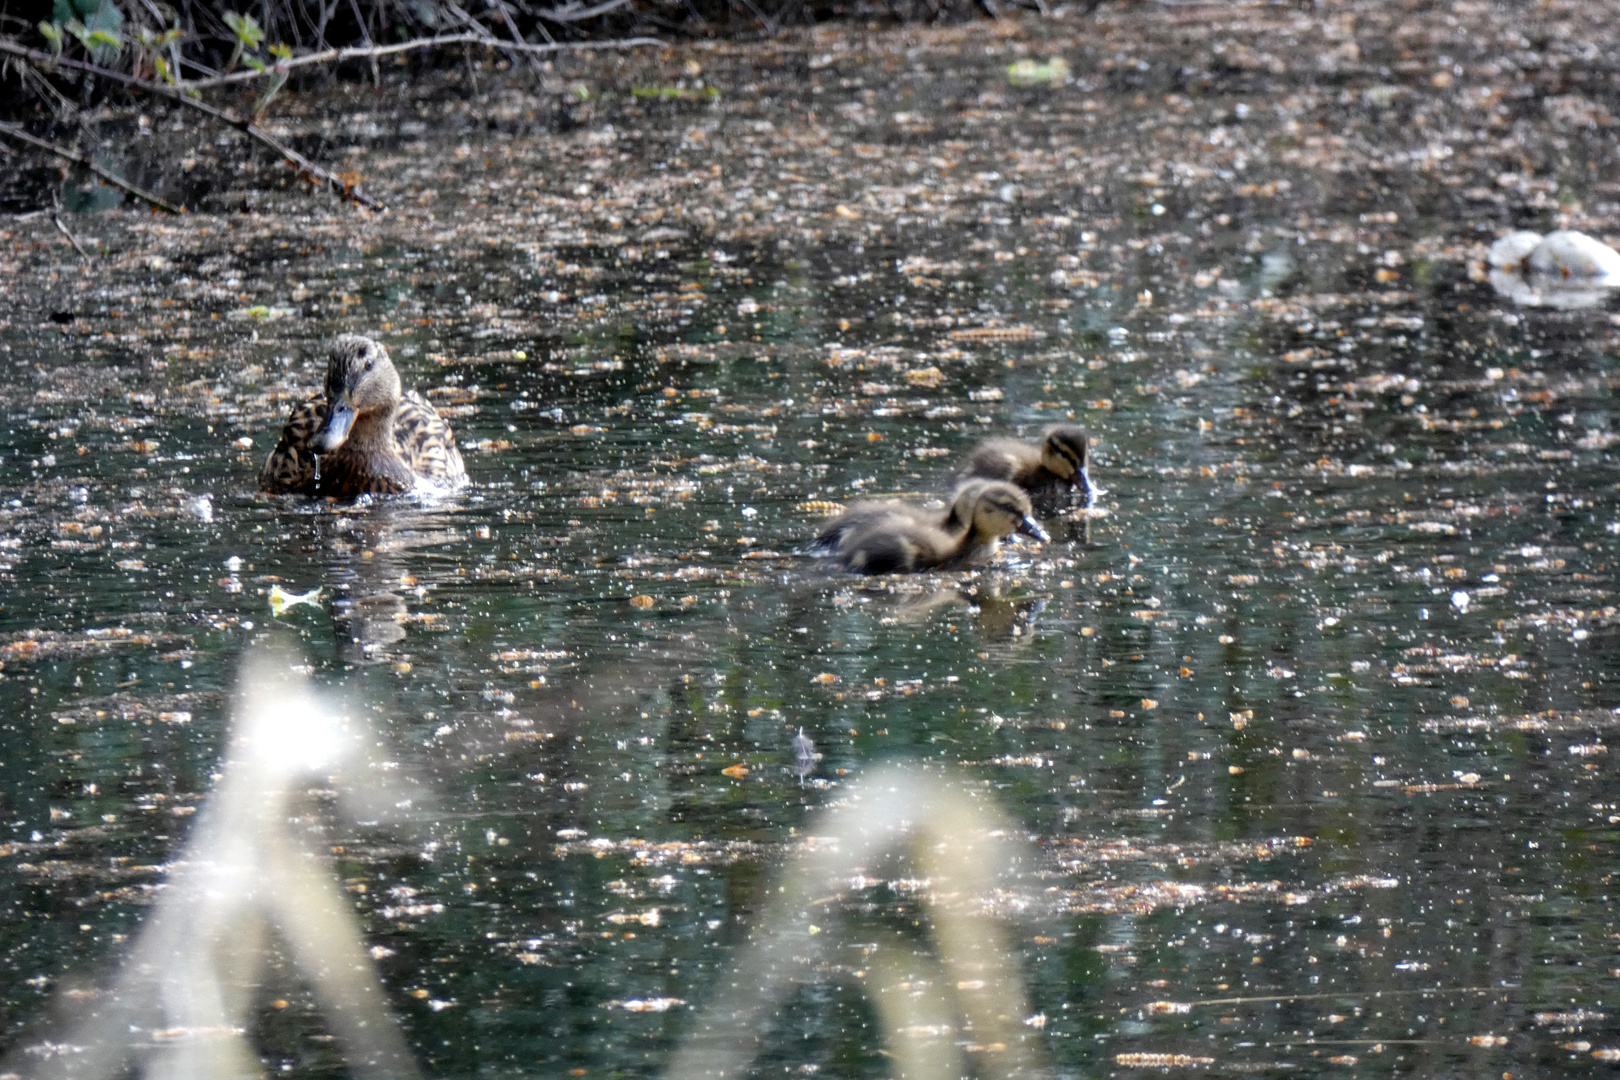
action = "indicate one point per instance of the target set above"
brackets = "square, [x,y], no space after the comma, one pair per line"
[1031,528]
[1092,489]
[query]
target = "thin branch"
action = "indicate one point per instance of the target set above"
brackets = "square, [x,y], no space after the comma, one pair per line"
[79,159]
[571,14]
[246,127]
[473,25]
[337,56]
[74,240]
[365,36]
[506,17]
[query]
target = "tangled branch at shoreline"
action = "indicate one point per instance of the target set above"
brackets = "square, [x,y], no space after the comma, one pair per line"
[338,56]
[186,95]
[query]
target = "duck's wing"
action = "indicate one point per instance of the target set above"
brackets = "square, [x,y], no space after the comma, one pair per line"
[426,442]
[291,465]
[883,551]
[898,544]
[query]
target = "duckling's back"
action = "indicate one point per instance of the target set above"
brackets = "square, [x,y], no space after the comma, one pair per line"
[863,517]
[1003,459]
[885,538]
[894,550]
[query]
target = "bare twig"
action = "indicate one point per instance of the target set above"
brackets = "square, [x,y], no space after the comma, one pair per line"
[337,56]
[77,158]
[571,14]
[246,127]
[511,27]
[365,35]
[56,219]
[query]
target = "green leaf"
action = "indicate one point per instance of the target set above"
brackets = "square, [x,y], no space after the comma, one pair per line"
[103,36]
[253,62]
[281,51]
[246,28]
[54,36]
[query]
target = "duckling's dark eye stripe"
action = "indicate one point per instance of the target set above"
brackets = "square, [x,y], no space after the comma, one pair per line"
[1066,452]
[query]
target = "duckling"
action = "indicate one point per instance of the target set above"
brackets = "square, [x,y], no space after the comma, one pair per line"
[1057,465]
[363,435]
[895,537]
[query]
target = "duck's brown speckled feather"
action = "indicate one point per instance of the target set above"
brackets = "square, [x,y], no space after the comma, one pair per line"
[291,465]
[425,444]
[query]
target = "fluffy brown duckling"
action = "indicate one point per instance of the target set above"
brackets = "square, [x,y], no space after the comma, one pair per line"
[364,434]
[1056,466]
[896,537]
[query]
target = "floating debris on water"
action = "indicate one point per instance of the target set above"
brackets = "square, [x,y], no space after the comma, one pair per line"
[1035,73]
[281,599]
[804,755]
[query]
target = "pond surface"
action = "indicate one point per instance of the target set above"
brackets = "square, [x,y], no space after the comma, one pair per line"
[1307,726]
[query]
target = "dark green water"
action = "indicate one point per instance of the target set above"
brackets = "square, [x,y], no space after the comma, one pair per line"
[1308,729]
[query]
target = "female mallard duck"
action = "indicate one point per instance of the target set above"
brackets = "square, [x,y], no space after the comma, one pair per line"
[363,435]
[1057,465]
[894,537]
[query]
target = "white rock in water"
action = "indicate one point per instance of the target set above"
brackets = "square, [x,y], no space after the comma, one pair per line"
[1510,252]
[1570,254]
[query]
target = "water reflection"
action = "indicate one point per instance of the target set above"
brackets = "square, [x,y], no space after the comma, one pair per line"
[994,616]
[1549,291]
[368,577]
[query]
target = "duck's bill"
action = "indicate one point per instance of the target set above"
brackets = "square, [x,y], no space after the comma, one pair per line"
[1087,490]
[1031,528]
[330,435]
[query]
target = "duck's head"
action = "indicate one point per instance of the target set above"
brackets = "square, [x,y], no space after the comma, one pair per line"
[360,380]
[996,509]
[1065,454]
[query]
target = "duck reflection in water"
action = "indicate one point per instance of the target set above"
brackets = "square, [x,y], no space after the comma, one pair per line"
[995,617]
[368,555]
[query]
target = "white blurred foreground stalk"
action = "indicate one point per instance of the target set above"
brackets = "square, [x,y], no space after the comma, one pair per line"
[961,847]
[179,1008]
